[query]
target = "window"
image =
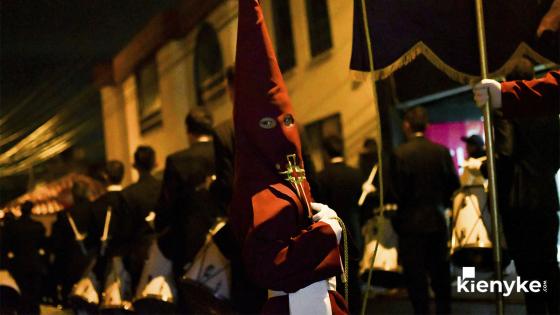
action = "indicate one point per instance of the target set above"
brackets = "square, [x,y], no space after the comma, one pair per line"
[318,130]
[208,66]
[149,101]
[319,26]
[284,35]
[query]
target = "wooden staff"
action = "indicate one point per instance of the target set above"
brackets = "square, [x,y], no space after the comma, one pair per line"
[380,142]
[490,158]
[369,181]
[77,235]
[105,235]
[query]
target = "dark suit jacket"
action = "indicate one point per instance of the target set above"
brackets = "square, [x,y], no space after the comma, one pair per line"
[528,157]
[24,237]
[186,209]
[423,182]
[141,198]
[62,237]
[120,228]
[535,160]
[340,188]
[224,148]
[69,263]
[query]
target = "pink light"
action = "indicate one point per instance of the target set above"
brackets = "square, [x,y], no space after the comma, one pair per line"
[449,134]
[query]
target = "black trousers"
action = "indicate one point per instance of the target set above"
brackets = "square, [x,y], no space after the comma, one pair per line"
[532,237]
[425,260]
[30,284]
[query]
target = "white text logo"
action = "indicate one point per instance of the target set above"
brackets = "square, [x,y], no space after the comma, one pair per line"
[467,283]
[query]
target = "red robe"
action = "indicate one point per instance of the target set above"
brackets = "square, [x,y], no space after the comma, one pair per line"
[283,249]
[532,98]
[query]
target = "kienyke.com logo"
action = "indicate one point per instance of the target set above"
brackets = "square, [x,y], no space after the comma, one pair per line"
[466,283]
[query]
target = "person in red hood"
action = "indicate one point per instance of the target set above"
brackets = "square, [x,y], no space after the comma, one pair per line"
[289,244]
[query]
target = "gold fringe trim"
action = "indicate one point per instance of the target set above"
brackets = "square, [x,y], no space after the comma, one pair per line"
[422,49]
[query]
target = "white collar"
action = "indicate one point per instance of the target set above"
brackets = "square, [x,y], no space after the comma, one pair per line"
[114,188]
[204,139]
[337,159]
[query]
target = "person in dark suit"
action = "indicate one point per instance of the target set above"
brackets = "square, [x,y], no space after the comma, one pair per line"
[141,199]
[340,187]
[423,181]
[25,240]
[528,198]
[186,209]
[224,148]
[246,297]
[119,226]
[67,247]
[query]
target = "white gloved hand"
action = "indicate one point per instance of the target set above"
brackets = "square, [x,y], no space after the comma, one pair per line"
[488,90]
[368,188]
[323,212]
[327,215]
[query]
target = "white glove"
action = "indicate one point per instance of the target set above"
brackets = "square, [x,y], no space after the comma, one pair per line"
[327,215]
[368,188]
[488,90]
[473,164]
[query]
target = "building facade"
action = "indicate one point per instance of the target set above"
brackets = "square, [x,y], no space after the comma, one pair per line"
[179,61]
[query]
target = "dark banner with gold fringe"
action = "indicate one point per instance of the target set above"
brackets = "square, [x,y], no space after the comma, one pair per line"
[444,32]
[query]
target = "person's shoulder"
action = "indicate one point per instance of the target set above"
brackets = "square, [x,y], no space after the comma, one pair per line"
[345,168]
[353,170]
[179,155]
[106,198]
[323,173]
[199,150]
[140,186]
[131,190]
[38,226]
[176,158]
[404,148]
[440,147]
[224,128]
[152,183]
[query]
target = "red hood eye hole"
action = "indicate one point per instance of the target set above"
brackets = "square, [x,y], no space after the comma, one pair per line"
[288,120]
[267,123]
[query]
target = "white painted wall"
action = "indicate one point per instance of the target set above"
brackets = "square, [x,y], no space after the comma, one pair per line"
[319,87]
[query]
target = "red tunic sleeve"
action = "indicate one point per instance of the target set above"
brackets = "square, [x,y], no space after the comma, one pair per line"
[280,252]
[540,97]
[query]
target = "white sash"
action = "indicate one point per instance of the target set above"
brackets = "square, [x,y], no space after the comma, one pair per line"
[313,299]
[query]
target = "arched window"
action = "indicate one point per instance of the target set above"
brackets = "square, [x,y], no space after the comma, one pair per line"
[208,66]
[319,26]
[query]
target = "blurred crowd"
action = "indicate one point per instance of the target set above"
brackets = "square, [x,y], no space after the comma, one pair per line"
[175,217]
